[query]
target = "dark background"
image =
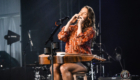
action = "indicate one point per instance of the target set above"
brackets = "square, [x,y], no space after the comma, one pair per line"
[119,27]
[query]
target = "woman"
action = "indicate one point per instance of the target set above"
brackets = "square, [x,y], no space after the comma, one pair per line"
[78,40]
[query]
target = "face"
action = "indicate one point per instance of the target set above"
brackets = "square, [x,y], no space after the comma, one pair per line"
[84,13]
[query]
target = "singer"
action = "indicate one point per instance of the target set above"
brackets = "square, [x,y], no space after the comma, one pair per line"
[78,34]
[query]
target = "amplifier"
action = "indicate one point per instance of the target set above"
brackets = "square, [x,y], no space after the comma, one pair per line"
[111,78]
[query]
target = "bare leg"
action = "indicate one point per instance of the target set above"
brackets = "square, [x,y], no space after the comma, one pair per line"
[56,70]
[69,68]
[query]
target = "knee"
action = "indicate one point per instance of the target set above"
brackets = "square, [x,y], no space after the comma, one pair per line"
[63,68]
[55,68]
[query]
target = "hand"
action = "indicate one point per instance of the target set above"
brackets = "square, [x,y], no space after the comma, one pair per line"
[73,19]
[80,20]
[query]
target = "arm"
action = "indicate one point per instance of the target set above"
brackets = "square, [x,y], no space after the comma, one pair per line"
[63,34]
[85,36]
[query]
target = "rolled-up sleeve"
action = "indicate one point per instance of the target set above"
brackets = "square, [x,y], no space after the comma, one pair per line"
[63,35]
[82,38]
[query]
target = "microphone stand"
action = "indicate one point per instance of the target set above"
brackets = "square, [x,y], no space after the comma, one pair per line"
[51,39]
[24,52]
[24,55]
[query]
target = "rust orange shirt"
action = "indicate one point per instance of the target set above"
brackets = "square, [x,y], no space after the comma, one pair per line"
[77,44]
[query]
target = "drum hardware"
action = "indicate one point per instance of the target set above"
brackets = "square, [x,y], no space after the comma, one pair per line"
[92,72]
[101,66]
[118,54]
[49,77]
[40,71]
[37,75]
[37,72]
[95,71]
[97,49]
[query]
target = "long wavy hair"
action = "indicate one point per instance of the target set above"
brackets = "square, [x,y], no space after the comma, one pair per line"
[90,20]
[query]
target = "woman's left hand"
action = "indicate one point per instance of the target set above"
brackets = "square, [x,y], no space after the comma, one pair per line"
[80,20]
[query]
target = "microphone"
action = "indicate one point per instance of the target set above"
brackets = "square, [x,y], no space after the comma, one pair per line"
[60,21]
[63,19]
[30,38]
